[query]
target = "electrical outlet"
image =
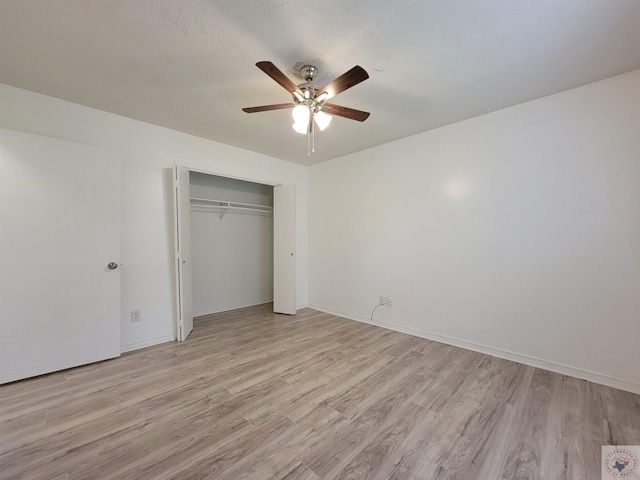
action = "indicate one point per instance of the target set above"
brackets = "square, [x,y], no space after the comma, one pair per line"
[135,316]
[390,301]
[385,300]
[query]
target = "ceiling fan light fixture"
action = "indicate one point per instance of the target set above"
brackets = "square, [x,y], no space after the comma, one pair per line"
[301,114]
[322,119]
[301,127]
[322,97]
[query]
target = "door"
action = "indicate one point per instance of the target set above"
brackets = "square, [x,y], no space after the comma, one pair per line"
[182,219]
[284,249]
[59,230]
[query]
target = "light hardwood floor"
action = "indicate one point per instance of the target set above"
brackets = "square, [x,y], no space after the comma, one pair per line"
[254,395]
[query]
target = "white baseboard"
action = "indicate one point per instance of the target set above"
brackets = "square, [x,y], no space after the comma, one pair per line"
[147,343]
[595,377]
[232,306]
[299,306]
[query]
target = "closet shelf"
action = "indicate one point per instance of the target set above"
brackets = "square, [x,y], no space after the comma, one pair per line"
[225,206]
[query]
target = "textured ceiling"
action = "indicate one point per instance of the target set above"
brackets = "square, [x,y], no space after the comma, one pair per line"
[190,64]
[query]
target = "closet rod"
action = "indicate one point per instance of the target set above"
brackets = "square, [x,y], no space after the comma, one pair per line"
[225,208]
[224,203]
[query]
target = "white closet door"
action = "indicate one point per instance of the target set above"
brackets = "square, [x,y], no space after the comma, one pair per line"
[182,218]
[59,230]
[284,249]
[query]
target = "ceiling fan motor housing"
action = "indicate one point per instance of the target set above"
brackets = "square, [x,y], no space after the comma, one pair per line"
[308,72]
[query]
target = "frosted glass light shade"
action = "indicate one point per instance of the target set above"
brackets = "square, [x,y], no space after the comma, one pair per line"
[301,127]
[322,119]
[301,114]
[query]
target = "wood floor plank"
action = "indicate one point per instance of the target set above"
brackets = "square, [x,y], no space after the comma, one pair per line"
[299,472]
[43,455]
[349,401]
[338,449]
[256,395]
[271,461]
[331,383]
[481,444]
[242,450]
[533,438]
[377,453]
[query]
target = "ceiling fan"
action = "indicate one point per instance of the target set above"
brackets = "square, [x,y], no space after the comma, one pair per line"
[309,101]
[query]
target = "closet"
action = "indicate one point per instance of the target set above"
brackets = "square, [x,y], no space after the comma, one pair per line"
[231,243]
[243,250]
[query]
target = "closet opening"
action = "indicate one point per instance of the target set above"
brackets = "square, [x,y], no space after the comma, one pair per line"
[235,245]
[231,243]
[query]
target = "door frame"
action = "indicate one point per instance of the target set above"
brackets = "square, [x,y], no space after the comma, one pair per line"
[192,167]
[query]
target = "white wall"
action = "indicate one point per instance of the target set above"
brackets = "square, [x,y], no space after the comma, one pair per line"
[232,254]
[148,153]
[516,233]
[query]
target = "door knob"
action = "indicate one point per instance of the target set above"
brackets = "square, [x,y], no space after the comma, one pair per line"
[112,265]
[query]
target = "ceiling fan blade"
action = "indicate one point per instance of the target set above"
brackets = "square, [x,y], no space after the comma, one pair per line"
[347,80]
[346,112]
[275,73]
[266,108]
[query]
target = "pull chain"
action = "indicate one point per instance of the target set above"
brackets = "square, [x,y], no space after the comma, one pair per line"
[309,138]
[313,136]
